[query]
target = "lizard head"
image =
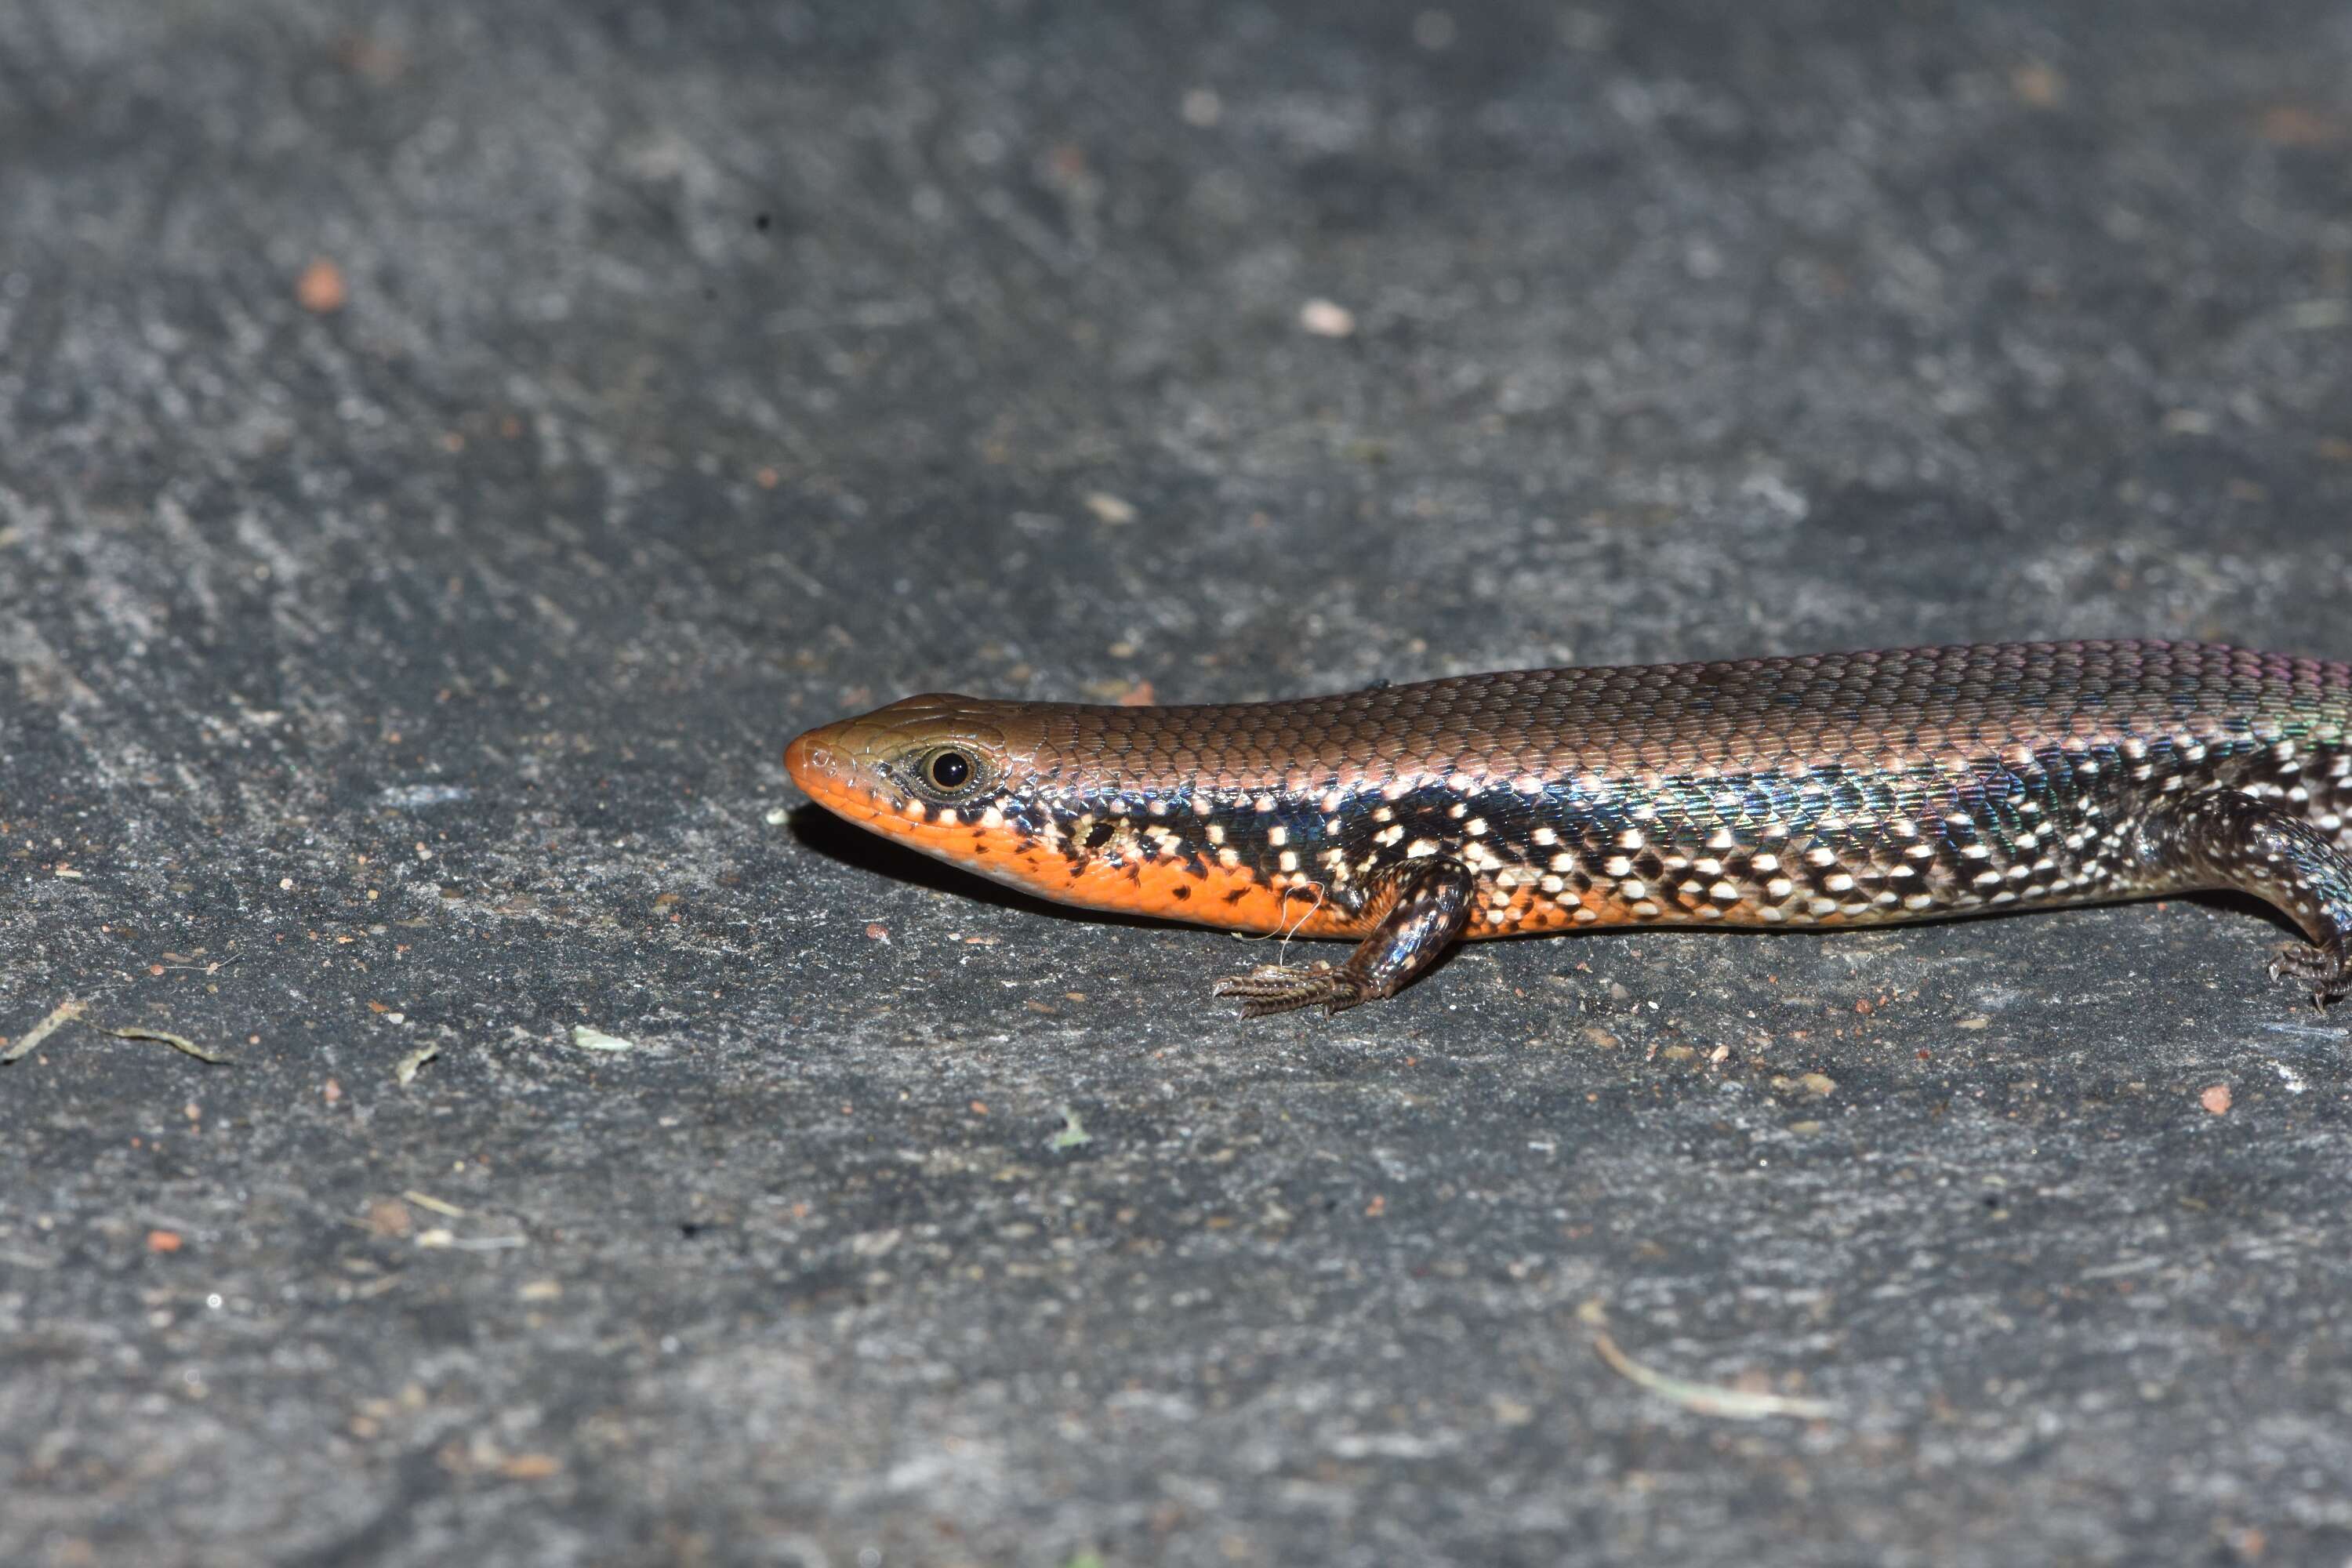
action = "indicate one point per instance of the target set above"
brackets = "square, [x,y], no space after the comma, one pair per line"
[937,773]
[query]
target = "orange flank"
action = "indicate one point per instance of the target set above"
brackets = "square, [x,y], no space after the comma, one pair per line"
[1229,899]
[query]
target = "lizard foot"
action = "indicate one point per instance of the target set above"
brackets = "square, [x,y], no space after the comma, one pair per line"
[1279,988]
[2327,969]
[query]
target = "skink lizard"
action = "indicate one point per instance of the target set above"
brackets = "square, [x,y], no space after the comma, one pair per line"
[1833,790]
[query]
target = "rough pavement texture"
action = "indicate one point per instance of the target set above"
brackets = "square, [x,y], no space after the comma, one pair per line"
[446,450]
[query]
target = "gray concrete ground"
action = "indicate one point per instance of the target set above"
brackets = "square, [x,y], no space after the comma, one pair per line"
[446,449]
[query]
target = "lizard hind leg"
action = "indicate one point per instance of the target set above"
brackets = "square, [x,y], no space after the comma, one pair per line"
[2224,839]
[1429,909]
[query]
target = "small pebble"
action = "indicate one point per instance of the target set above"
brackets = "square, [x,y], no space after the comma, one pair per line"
[1327,319]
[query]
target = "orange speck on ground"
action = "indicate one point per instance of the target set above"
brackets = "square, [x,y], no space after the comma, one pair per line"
[2292,125]
[320,290]
[2037,85]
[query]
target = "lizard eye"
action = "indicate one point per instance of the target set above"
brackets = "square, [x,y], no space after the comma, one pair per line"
[950,775]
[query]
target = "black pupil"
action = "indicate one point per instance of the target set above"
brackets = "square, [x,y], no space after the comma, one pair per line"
[950,769]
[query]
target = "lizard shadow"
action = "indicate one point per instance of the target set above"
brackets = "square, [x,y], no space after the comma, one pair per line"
[820,832]
[2230,901]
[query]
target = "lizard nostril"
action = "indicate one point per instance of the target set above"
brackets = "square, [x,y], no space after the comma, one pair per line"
[805,758]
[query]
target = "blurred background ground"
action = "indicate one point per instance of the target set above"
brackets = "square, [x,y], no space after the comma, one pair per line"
[446,449]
